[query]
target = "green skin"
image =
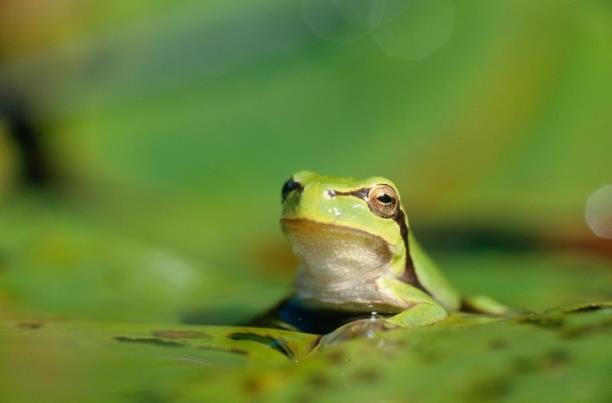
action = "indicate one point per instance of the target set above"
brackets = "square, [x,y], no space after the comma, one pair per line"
[355,259]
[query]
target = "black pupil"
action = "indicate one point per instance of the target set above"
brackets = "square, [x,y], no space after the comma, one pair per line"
[288,187]
[385,198]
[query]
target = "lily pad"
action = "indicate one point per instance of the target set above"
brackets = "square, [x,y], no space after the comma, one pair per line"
[559,355]
[518,359]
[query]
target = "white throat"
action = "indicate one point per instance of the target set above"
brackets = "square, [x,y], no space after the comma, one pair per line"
[341,268]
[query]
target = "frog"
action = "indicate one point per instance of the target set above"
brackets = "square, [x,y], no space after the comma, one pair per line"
[358,257]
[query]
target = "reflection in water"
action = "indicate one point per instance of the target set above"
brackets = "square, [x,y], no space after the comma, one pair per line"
[599,212]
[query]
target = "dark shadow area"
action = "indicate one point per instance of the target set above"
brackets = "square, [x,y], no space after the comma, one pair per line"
[290,314]
[482,238]
[35,165]
[490,238]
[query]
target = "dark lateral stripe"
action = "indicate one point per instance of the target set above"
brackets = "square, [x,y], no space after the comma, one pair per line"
[409,275]
[359,193]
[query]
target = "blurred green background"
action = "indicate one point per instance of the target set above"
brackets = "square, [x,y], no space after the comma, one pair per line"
[143,146]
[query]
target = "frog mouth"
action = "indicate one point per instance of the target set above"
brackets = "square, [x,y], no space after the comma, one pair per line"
[336,253]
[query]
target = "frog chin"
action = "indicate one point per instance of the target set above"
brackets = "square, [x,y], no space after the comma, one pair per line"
[340,266]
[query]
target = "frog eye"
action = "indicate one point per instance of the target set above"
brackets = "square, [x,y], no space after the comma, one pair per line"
[383,200]
[290,186]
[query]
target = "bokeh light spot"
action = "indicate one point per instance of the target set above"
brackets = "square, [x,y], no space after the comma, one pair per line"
[414,29]
[599,212]
[336,23]
[367,13]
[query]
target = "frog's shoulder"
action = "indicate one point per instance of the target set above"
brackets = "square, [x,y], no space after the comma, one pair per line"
[431,277]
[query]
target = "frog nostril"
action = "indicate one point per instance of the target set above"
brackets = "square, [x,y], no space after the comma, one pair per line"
[330,193]
[289,186]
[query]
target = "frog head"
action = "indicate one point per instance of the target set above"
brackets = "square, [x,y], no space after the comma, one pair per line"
[345,232]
